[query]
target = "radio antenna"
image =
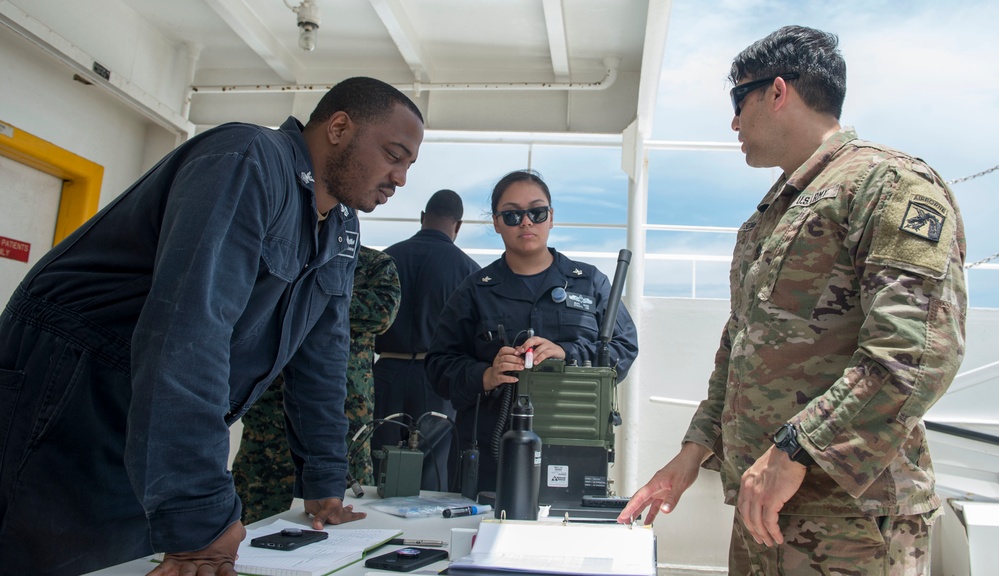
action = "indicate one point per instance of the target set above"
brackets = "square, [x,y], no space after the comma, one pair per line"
[610,317]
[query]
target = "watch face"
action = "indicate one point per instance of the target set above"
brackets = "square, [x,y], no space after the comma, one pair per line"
[782,435]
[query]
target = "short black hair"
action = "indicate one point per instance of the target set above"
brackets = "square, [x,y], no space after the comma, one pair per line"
[813,54]
[445,204]
[363,99]
[517,176]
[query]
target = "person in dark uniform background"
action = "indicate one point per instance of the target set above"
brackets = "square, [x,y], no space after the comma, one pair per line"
[430,268]
[531,287]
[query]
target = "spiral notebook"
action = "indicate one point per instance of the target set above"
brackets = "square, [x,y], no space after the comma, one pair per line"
[344,547]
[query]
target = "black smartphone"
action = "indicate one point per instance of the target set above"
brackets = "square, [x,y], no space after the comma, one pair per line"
[289,539]
[406,559]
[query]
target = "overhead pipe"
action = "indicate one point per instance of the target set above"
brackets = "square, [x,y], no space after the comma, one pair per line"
[611,63]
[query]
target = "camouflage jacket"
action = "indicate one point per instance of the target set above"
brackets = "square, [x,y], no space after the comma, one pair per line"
[848,310]
[374,304]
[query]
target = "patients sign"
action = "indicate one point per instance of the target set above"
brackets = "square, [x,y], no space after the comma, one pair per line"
[14,250]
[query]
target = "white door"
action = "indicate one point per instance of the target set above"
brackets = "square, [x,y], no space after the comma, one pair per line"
[29,206]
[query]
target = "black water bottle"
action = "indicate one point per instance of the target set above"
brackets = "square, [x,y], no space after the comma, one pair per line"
[519,478]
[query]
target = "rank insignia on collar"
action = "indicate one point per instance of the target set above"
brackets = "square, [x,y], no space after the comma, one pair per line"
[306,178]
[577,272]
[344,210]
[486,279]
[923,221]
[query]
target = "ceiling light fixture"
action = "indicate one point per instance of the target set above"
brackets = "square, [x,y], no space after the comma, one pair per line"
[308,23]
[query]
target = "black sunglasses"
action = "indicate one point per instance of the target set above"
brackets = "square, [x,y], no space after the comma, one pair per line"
[514,217]
[739,92]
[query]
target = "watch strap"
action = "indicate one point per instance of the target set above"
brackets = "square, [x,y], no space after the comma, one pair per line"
[786,440]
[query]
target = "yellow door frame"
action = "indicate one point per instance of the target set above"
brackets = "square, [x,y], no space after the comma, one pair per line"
[81,186]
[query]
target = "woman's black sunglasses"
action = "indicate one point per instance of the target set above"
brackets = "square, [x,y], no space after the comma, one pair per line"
[514,217]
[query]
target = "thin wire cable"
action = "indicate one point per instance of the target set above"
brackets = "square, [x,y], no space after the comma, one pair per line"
[965,179]
[973,176]
[982,261]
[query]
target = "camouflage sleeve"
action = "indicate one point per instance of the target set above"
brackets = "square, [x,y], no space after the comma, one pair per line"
[907,241]
[376,295]
[705,426]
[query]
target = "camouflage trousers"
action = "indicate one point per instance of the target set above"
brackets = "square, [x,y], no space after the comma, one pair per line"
[813,545]
[263,471]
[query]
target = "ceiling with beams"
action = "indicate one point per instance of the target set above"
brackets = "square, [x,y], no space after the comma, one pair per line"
[493,65]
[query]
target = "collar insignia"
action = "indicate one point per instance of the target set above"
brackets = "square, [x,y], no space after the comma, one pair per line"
[486,279]
[306,178]
[577,272]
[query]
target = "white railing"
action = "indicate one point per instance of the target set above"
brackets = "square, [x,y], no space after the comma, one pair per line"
[694,259]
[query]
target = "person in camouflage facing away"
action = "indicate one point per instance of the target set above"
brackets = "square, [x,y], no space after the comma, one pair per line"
[264,470]
[848,305]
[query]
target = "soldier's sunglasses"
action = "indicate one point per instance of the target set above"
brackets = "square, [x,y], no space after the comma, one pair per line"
[739,92]
[514,217]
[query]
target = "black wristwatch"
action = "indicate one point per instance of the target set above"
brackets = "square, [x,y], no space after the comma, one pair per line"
[786,440]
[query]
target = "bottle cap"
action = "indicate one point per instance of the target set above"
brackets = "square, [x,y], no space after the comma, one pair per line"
[523,406]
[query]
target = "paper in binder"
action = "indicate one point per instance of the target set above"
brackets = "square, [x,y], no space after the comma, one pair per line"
[560,548]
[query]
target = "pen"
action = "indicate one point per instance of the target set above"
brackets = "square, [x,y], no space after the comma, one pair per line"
[466,511]
[409,542]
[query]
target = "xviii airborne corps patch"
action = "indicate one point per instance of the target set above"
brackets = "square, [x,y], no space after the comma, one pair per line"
[923,220]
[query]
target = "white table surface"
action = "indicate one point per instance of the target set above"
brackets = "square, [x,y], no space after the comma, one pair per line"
[425,528]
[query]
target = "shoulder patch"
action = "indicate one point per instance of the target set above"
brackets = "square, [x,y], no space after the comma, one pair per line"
[923,218]
[916,227]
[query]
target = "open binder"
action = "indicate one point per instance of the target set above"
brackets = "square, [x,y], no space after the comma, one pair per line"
[539,547]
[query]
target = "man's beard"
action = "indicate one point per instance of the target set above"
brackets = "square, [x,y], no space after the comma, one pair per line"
[341,174]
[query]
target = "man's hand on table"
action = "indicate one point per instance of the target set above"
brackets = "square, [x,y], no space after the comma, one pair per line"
[218,559]
[331,511]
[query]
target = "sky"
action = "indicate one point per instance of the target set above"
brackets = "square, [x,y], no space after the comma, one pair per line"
[922,77]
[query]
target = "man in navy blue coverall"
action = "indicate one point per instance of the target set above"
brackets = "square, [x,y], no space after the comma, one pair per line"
[129,349]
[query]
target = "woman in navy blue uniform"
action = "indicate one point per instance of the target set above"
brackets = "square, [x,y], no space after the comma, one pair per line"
[532,297]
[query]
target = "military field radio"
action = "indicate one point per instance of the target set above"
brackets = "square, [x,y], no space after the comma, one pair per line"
[575,412]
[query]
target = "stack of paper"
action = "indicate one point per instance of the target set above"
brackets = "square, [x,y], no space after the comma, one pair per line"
[344,547]
[557,548]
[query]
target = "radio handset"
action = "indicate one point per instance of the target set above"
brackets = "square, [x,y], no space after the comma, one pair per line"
[470,460]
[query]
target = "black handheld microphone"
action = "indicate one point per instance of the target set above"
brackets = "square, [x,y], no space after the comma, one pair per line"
[470,461]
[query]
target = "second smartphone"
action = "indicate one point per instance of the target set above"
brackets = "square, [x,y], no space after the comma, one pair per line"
[406,559]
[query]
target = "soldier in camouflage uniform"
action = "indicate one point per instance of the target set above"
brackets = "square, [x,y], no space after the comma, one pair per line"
[372,311]
[264,470]
[847,324]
